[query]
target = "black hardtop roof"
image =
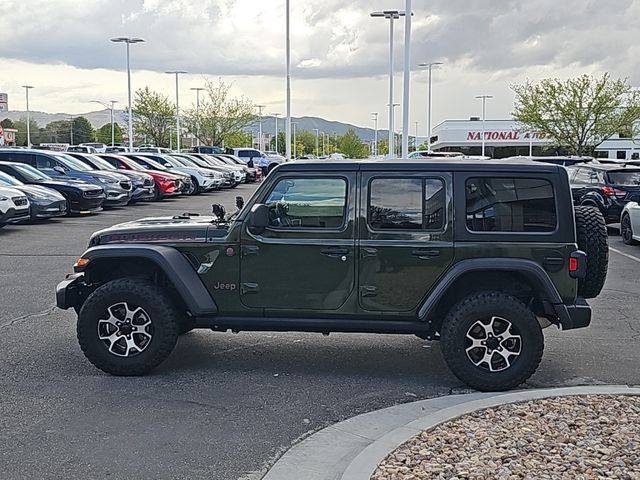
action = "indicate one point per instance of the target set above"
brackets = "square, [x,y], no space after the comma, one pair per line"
[420,164]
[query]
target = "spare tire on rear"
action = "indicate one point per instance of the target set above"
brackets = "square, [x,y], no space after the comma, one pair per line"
[591,231]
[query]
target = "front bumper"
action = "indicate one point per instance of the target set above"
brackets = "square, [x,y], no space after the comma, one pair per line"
[46,209]
[85,204]
[116,197]
[142,193]
[574,316]
[68,291]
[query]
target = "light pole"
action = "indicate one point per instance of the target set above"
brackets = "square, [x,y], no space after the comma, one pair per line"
[128,41]
[429,65]
[177,73]
[322,143]
[407,79]
[484,112]
[26,91]
[392,133]
[275,116]
[415,138]
[260,107]
[293,124]
[390,15]
[288,61]
[317,140]
[109,105]
[375,134]
[198,90]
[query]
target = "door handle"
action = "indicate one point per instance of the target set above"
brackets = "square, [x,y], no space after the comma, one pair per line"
[425,254]
[334,252]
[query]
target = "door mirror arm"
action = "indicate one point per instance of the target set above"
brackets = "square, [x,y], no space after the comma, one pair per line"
[59,169]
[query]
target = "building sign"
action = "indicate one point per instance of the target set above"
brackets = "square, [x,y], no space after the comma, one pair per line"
[502,135]
[4,102]
[7,136]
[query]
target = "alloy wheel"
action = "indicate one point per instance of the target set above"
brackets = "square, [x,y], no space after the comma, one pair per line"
[625,229]
[126,331]
[493,344]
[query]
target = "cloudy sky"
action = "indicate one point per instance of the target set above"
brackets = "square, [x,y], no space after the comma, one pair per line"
[339,53]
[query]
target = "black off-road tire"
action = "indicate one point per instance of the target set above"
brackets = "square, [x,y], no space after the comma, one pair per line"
[139,293]
[626,231]
[486,305]
[591,231]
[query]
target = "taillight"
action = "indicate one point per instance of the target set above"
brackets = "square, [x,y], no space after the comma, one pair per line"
[573,264]
[613,192]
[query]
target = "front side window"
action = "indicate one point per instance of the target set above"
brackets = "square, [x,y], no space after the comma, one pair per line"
[510,205]
[406,204]
[308,203]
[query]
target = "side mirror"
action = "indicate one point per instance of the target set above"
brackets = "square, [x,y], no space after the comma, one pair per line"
[259,218]
[239,202]
[59,170]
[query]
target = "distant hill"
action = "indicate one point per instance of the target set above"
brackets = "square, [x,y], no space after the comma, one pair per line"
[101,117]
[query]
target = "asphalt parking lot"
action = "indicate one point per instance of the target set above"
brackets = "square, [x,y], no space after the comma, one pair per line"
[224,406]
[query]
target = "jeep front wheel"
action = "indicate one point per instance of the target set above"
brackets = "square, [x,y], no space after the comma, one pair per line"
[492,341]
[127,327]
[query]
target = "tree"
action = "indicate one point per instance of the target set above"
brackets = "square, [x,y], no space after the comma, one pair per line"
[153,116]
[36,133]
[351,145]
[579,113]
[423,146]
[7,123]
[83,131]
[103,134]
[220,115]
[58,131]
[238,139]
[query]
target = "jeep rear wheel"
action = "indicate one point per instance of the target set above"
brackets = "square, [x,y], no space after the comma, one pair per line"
[591,231]
[492,341]
[127,327]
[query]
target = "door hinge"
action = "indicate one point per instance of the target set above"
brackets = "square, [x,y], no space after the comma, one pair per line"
[249,288]
[366,252]
[250,250]
[368,291]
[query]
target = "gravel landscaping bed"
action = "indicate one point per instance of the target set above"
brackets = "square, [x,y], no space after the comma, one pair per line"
[573,437]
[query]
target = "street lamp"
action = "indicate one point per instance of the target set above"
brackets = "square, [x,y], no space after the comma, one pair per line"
[322,143]
[390,15]
[105,104]
[288,62]
[128,41]
[429,65]
[26,91]
[176,73]
[275,116]
[197,90]
[392,133]
[484,111]
[293,124]
[415,138]
[375,134]
[260,107]
[317,140]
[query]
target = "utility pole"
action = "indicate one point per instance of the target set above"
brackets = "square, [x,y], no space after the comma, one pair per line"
[484,111]
[71,130]
[293,124]
[375,134]
[322,143]
[26,90]
[275,116]
[288,62]
[407,79]
[260,144]
[415,138]
[317,140]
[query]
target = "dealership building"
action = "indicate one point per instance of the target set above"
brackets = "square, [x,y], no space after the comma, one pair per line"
[504,138]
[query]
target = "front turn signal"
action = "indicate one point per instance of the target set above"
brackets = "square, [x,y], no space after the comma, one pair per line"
[81,263]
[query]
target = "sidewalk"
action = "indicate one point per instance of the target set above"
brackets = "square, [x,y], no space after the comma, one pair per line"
[351,450]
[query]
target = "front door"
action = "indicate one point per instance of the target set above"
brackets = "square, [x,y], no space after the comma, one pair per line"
[406,238]
[305,259]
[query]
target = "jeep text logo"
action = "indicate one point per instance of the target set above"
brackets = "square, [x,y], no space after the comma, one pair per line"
[225,286]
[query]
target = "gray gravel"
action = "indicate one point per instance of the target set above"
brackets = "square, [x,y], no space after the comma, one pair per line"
[575,437]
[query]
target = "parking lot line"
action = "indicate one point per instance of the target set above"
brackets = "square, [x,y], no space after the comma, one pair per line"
[625,254]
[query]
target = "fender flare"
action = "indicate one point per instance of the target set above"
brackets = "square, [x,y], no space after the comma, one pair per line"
[175,266]
[533,272]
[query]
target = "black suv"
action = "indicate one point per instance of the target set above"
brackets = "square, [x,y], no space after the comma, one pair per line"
[607,186]
[481,255]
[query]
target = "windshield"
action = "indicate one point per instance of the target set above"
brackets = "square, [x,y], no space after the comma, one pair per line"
[72,163]
[149,163]
[30,173]
[9,181]
[187,161]
[101,163]
[625,178]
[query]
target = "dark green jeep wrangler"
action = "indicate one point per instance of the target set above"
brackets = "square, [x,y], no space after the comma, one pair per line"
[480,255]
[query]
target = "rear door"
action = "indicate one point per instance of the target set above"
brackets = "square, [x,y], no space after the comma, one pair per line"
[406,238]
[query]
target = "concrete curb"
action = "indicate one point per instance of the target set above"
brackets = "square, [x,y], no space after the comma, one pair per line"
[351,450]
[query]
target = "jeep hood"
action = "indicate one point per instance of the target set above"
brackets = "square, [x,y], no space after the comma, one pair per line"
[165,230]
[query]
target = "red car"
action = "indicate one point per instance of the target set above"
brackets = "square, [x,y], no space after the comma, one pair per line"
[167,184]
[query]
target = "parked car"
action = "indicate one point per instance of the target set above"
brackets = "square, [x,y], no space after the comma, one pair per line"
[14,206]
[196,159]
[142,184]
[247,154]
[565,161]
[202,180]
[630,221]
[117,188]
[44,202]
[99,147]
[116,149]
[81,197]
[206,149]
[480,256]
[250,172]
[606,186]
[81,149]
[146,161]
[154,149]
[238,171]
[166,184]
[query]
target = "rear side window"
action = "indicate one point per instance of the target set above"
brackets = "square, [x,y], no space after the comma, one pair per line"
[406,204]
[630,178]
[510,205]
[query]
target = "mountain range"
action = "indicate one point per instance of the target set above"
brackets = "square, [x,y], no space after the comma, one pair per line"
[100,117]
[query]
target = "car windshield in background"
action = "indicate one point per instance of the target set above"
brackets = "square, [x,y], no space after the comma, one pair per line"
[31,174]
[625,178]
[188,162]
[72,163]
[100,163]
[151,164]
[9,181]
